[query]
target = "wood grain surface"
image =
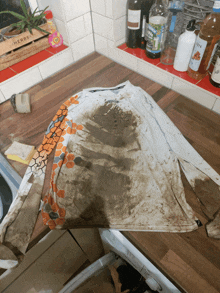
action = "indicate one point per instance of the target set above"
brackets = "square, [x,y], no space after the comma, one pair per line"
[190,260]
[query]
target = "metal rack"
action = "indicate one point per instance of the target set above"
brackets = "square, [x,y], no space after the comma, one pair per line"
[196,9]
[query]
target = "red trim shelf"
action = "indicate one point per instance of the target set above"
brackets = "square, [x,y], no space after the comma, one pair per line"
[29,62]
[203,83]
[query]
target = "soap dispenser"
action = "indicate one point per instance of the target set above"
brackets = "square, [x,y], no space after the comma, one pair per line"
[185,46]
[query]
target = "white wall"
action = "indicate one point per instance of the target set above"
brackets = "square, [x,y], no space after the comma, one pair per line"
[73,21]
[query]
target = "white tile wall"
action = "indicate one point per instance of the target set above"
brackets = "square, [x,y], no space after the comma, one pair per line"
[21,82]
[101,44]
[56,63]
[79,27]
[111,44]
[103,26]
[55,6]
[62,29]
[98,6]
[155,73]
[109,8]
[119,8]
[123,58]
[88,23]
[119,28]
[83,47]
[120,42]
[193,92]
[75,8]
[2,98]
[216,107]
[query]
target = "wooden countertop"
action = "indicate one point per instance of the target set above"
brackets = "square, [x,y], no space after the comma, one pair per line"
[190,260]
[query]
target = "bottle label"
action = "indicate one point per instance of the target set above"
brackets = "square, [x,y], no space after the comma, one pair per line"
[155,34]
[197,53]
[216,72]
[134,19]
[143,26]
[213,52]
[216,5]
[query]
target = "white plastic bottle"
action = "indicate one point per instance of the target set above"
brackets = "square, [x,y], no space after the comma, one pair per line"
[185,46]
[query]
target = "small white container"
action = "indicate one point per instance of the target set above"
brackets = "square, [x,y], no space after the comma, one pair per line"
[185,46]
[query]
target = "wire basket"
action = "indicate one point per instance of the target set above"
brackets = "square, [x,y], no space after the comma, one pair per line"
[196,9]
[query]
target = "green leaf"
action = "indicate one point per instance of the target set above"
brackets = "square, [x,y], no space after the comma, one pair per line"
[30,29]
[24,8]
[42,30]
[23,26]
[34,11]
[14,25]
[43,9]
[40,16]
[14,14]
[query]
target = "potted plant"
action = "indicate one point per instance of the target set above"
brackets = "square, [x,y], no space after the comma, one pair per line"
[25,38]
[28,21]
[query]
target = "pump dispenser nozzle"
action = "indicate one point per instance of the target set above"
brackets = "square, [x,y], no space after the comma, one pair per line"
[191,25]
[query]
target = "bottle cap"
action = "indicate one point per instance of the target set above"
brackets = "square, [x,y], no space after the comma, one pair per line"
[48,14]
[191,25]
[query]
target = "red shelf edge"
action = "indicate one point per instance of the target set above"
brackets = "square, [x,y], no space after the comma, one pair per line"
[203,83]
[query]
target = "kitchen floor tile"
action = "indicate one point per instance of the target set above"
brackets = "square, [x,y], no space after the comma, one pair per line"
[31,61]
[6,74]
[205,84]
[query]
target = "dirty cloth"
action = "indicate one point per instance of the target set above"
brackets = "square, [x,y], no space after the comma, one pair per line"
[117,164]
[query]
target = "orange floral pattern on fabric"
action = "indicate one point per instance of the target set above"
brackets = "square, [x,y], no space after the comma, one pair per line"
[58,128]
[56,216]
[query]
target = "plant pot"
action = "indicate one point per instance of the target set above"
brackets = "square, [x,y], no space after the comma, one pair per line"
[6,34]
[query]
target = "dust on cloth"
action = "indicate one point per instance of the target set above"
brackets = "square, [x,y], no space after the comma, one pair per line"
[117,165]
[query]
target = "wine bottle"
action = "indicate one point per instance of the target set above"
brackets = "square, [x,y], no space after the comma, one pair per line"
[133,23]
[145,9]
[156,29]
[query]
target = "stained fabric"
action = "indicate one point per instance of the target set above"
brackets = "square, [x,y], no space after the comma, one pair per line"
[117,165]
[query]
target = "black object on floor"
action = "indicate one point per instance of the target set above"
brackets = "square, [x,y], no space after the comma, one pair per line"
[132,280]
[6,198]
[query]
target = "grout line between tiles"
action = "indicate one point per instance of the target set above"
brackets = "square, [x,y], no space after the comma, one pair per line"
[214,104]
[107,16]
[93,32]
[12,70]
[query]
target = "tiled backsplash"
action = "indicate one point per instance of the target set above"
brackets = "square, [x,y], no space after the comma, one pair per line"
[99,25]
[74,22]
[106,43]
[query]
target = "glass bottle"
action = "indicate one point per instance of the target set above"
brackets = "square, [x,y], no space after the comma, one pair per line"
[155,33]
[173,32]
[51,25]
[206,44]
[133,22]
[215,77]
[145,9]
